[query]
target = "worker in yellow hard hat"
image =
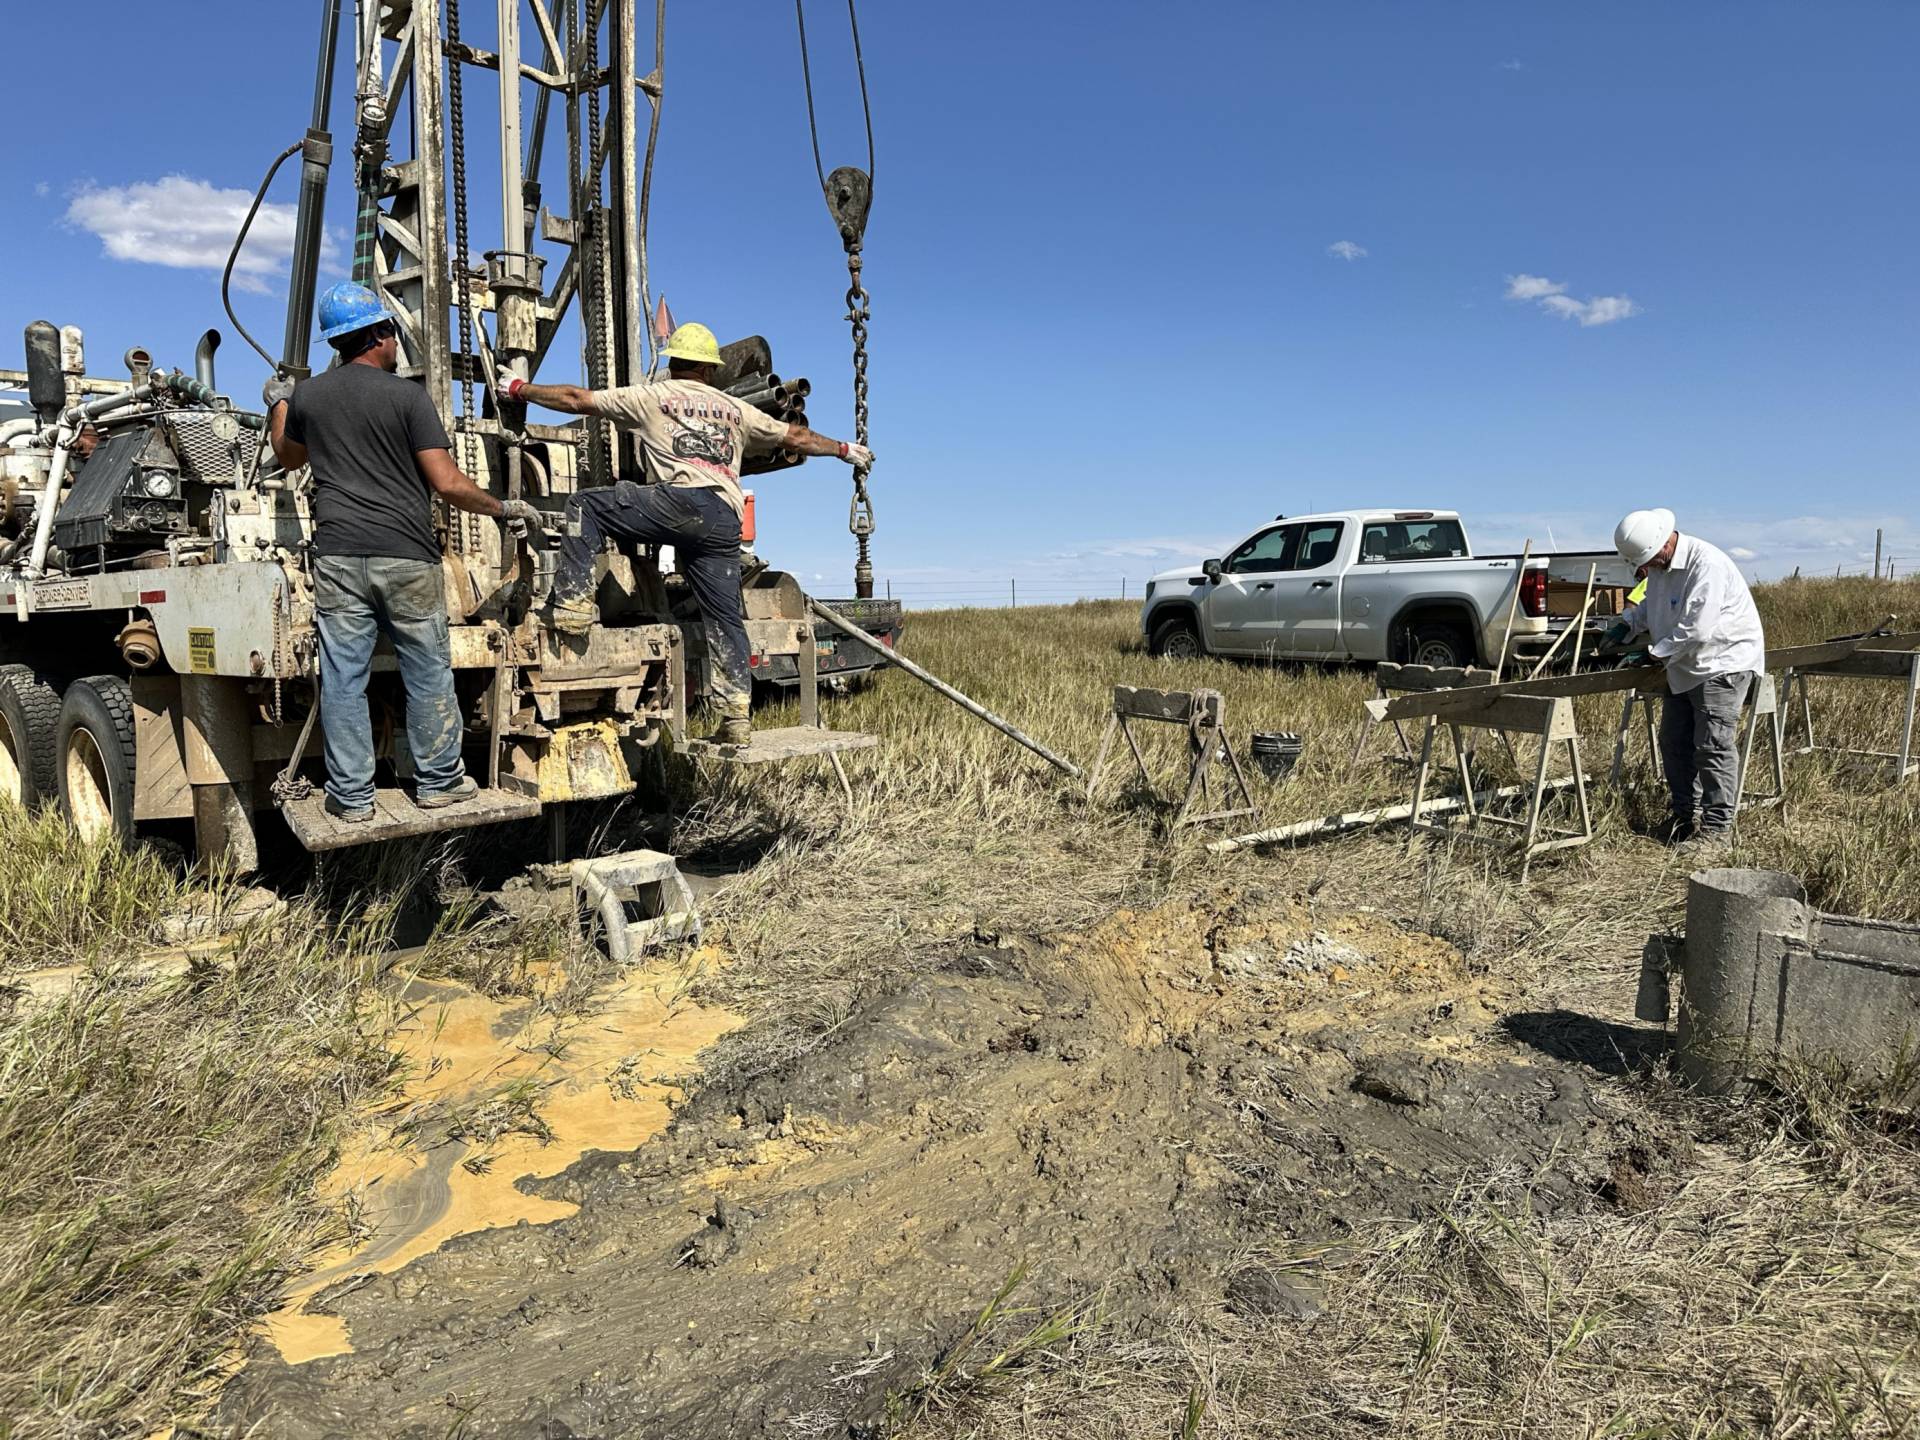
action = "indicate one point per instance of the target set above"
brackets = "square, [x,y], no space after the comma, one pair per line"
[693,438]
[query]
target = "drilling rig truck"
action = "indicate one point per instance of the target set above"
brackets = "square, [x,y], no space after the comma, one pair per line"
[157,638]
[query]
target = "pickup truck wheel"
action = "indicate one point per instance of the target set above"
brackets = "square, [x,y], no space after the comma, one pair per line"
[1176,638]
[95,757]
[29,716]
[1439,643]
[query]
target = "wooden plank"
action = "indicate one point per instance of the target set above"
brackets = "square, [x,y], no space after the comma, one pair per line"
[1867,665]
[1650,678]
[773,747]
[397,817]
[1175,706]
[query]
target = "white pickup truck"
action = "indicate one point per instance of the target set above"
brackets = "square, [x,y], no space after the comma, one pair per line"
[1363,585]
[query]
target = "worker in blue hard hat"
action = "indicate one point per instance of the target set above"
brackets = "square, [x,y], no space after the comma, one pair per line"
[693,438]
[1701,620]
[378,455]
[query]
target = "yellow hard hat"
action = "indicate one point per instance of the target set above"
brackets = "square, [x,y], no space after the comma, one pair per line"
[693,342]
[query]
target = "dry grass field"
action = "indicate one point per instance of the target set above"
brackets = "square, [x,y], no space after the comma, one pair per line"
[161,1139]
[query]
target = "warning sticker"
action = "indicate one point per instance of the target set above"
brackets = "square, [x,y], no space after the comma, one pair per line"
[200,651]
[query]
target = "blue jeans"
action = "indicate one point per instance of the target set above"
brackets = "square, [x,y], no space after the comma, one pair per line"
[705,535]
[358,597]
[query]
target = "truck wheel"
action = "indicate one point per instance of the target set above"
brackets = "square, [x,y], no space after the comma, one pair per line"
[95,750]
[1439,643]
[1176,639]
[29,718]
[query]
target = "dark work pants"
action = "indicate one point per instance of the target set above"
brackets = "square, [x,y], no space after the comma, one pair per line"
[1700,747]
[705,535]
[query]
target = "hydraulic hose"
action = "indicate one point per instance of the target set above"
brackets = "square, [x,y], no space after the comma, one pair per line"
[226,276]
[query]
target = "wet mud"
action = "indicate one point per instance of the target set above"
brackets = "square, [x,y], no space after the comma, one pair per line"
[1129,1113]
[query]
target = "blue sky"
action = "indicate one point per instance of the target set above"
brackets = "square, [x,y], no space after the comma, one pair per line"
[1144,275]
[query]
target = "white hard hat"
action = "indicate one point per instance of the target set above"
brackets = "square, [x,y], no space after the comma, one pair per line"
[1642,535]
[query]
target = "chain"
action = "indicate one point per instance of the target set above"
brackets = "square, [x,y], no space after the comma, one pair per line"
[279,647]
[860,512]
[595,259]
[457,135]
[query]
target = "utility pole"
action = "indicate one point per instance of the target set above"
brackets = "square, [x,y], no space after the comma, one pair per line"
[1878,536]
[1013,593]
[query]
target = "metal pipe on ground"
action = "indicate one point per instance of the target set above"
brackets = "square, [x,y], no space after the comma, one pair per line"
[1363,819]
[972,707]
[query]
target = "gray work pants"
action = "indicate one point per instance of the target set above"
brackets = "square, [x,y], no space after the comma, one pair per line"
[1700,746]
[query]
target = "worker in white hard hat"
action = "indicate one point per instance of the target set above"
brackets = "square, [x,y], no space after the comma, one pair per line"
[1702,623]
[693,438]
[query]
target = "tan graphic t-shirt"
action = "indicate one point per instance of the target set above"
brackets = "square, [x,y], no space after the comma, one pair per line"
[692,434]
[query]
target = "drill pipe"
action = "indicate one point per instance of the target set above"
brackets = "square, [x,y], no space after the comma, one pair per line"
[972,707]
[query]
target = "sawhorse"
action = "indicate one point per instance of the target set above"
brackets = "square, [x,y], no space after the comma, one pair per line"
[1762,704]
[1551,719]
[1899,665]
[1204,713]
[1390,679]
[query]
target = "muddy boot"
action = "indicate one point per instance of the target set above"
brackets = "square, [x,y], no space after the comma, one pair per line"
[736,724]
[440,799]
[574,616]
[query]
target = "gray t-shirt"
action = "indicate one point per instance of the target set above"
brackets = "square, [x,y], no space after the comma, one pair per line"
[361,427]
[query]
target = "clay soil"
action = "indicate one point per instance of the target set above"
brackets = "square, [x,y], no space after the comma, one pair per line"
[1105,1125]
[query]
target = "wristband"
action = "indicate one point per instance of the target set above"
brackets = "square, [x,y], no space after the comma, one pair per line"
[514,386]
[843,449]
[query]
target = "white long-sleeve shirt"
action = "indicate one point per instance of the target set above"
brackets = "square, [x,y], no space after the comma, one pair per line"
[1701,617]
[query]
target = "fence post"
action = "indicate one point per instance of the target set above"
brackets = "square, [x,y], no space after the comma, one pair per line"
[1013,593]
[1878,535]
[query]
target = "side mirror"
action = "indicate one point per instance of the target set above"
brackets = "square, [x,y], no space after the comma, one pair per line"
[1212,569]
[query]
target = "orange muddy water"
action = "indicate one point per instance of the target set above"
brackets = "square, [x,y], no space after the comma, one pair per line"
[428,1167]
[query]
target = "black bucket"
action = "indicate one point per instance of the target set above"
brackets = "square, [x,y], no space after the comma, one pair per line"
[1275,752]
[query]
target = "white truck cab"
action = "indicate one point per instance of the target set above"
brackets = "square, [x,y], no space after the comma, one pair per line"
[1358,585]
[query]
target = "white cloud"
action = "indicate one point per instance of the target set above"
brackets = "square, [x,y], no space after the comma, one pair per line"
[1531,287]
[1605,309]
[1551,296]
[1741,552]
[1513,65]
[187,224]
[1347,250]
[42,189]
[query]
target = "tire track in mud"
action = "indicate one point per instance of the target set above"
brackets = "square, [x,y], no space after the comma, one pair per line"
[1127,1112]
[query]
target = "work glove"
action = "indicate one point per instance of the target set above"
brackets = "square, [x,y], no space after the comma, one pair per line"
[858,456]
[522,519]
[1635,657]
[1618,634]
[277,389]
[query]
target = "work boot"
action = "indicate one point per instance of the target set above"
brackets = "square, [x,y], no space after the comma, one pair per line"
[736,723]
[1706,844]
[1676,830]
[356,816]
[440,799]
[574,616]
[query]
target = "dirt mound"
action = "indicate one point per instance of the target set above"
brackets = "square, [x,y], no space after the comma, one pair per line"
[1123,1112]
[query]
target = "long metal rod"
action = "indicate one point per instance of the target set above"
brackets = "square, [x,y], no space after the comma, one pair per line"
[1513,609]
[1362,819]
[972,707]
[317,154]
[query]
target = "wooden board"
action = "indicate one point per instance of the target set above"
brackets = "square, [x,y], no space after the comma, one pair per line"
[1649,678]
[395,816]
[773,747]
[1176,706]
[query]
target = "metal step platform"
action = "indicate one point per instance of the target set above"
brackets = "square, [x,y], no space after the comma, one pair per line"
[396,817]
[793,742]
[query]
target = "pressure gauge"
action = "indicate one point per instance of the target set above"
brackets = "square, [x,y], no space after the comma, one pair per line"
[159,484]
[224,427]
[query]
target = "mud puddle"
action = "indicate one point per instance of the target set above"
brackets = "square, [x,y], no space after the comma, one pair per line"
[1126,1113]
[497,1095]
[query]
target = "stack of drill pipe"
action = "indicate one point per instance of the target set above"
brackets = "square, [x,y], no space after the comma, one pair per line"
[783,400]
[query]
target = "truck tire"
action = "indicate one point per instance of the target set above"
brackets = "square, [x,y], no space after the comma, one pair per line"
[1441,643]
[29,720]
[95,753]
[1176,638]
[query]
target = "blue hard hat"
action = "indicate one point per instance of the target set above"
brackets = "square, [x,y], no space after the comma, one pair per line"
[348,307]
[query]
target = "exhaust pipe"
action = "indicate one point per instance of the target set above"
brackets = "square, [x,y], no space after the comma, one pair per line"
[46,380]
[203,358]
